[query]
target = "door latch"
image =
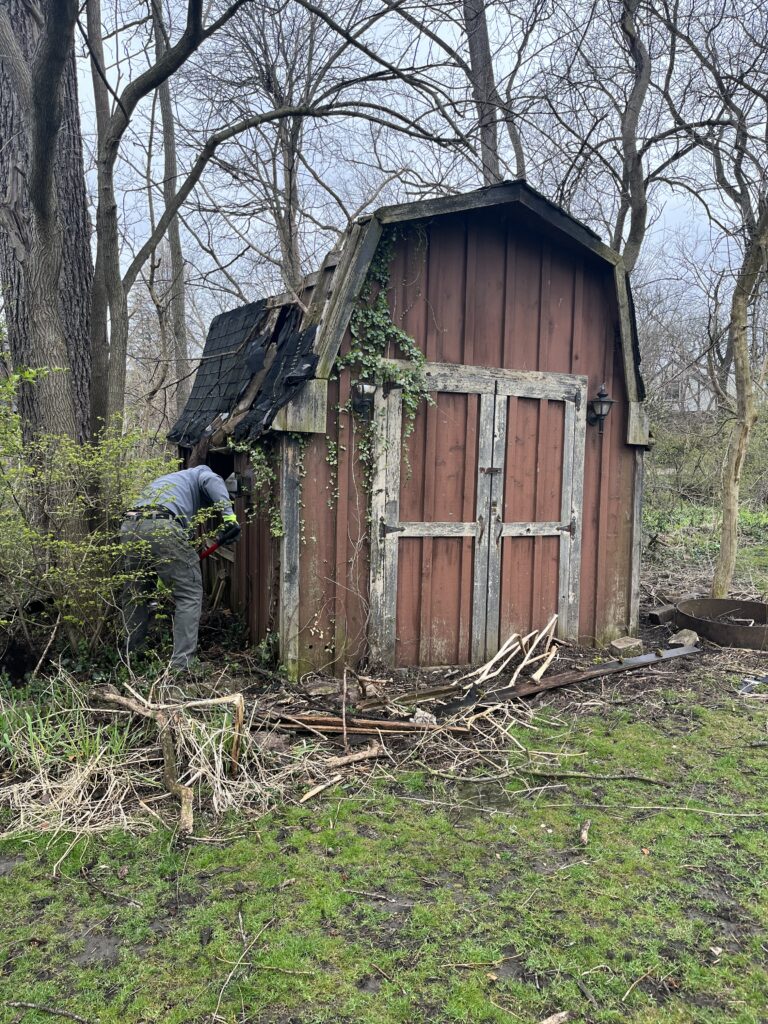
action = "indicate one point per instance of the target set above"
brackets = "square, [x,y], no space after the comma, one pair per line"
[490,470]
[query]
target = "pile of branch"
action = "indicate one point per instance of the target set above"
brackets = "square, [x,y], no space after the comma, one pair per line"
[62,769]
[520,656]
[167,719]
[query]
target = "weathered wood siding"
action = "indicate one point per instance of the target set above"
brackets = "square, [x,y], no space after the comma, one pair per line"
[494,289]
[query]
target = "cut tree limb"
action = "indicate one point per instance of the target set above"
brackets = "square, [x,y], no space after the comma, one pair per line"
[164,720]
[237,735]
[373,750]
[359,726]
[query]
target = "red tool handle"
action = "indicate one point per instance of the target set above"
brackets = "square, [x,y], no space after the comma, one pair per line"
[209,550]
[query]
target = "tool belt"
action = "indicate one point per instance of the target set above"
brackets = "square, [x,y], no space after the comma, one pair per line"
[149,513]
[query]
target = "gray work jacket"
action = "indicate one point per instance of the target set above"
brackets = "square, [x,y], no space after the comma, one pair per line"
[187,492]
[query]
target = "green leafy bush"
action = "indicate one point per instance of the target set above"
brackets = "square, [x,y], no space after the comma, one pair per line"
[60,510]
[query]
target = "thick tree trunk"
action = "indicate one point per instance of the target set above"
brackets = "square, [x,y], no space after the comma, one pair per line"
[483,87]
[71,287]
[52,408]
[76,280]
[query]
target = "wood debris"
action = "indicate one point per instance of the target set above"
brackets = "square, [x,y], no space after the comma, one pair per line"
[529,656]
[332,724]
[320,788]
[372,751]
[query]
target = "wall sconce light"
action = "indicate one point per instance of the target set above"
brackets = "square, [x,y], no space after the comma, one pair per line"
[599,408]
[362,399]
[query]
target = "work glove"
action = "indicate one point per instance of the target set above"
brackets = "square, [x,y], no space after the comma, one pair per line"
[231,531]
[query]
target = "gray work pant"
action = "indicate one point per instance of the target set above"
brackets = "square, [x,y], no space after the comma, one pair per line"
[161,546]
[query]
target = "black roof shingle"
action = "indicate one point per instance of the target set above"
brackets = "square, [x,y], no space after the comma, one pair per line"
[235,350]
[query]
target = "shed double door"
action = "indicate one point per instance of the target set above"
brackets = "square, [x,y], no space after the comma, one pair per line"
[476,514]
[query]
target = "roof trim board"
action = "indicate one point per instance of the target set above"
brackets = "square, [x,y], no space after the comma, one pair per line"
[357,255]
[503,194]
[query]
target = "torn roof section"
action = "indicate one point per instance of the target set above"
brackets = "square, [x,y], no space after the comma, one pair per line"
[256,358]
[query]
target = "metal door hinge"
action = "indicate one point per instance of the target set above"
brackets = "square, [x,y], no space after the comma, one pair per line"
[570,528]
[385,528]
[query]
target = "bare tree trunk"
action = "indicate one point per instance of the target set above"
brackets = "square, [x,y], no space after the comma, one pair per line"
[76,280]
[76,268]
[634,202]
[746,411]
[38,54]
[289,134]
[99,300]
[483,87]
[177,294]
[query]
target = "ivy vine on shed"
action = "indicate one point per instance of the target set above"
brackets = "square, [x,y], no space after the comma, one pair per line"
[382,353]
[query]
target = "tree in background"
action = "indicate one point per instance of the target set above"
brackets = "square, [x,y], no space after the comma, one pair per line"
[175,291]
[722,69]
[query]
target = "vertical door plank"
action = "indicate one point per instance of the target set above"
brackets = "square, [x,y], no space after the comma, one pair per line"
[495,520]
[376,617]
[393,444]
[290,544]
[427,549]
[482,510]
[577,512]
[469,554]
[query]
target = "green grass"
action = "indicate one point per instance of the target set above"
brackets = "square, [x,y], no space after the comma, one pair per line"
[281,922]
[689,533]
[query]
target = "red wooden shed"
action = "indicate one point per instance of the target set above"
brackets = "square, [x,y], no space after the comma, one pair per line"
[427,536]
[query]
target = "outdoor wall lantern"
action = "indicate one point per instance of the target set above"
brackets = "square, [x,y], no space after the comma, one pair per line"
[599,408]
[362,399]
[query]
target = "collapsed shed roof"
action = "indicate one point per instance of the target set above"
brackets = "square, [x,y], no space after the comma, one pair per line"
[257,353]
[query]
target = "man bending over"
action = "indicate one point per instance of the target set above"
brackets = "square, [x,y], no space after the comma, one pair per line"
[156,537]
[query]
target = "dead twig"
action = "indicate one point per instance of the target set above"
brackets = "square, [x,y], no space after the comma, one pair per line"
[242,957]
[42,1008]
[373,750]
[44,655]
[546,774]
[635,984]
[389,978]
[319,789]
